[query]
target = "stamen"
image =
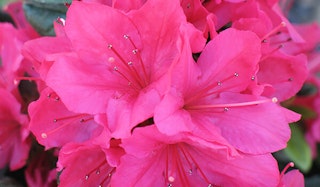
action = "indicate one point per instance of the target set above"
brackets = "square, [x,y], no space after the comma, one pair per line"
[272,52]
[44,135]
[127,65]
[275,30]
[290,164]
[227,106]
[136,52]
[205,92]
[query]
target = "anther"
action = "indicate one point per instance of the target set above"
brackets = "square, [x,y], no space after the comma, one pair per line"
[171,179]
[109,46]
[44,135]
[61,21]
[126,36]
[219,83]
[55,120]
[253,78]
[274,100]
[135,51]
[236,74]
[226,109]
[87,177]
[115,68]
[130,63]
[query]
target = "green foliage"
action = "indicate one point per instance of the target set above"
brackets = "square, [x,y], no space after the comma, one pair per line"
[298,149]
[42,13]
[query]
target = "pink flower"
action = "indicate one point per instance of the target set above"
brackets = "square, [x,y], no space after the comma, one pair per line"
[207,94]
[293,178]
[54,125]
[154,159]
[94,171]
[117,60]
[40,171]
[14,141]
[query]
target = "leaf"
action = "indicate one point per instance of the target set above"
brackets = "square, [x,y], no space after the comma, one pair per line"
[42,13]
[298,150]
[4,2]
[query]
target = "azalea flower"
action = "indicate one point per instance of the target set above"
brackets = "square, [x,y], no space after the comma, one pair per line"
[207,94]
[155,159]
[14,141]
[130,62]
[95,169]
[54,126]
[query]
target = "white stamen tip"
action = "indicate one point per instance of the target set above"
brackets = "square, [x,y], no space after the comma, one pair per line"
[44,135]
[274,100]
[171,179]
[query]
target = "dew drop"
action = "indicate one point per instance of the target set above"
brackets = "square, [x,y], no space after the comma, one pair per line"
[236,74]
[100,185]
[129,83]
[109,175]
[44,135]
[169,185]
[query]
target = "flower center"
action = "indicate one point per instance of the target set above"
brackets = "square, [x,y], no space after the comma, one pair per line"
[131,70]
[181,165]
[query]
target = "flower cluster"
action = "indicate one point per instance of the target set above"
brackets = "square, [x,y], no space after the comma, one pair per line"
[155,93]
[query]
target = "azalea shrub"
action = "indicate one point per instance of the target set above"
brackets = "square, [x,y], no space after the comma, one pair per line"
[158,93]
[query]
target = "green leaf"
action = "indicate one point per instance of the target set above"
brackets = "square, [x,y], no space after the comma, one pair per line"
[298,150]
[42,13]
[4,2]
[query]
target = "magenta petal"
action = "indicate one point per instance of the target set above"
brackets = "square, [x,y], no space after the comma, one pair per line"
[255,129]
[230,58]
[293,178]
[285,73]
[94,170]
[54,125]
[154,159]
[14,141]
[82,88]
